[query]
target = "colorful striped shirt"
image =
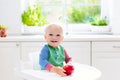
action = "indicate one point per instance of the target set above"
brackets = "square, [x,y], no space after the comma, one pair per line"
[50,56]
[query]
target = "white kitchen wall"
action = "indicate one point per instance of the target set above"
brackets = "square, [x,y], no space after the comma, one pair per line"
[115,16]
[10,15]
[10,11]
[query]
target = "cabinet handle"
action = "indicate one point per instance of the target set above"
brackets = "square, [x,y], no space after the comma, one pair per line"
[116,46]
[17,45]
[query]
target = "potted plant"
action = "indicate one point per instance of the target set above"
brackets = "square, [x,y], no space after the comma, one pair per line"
[3,30]
[99,25]
[33,18]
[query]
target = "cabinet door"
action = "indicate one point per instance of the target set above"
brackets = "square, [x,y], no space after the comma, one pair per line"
[106,57]
[79,51]
[29,47]
[9,59]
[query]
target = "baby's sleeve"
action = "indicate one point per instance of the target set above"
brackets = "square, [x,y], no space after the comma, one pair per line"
[43,57]
[67,57]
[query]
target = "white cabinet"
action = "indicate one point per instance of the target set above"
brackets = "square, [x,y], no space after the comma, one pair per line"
[79,51]
[29,47]
[106,57]
[103,55]
[9,59]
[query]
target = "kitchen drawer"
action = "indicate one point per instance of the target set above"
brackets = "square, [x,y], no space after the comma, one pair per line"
[9,44]
[31,44]
[106,46]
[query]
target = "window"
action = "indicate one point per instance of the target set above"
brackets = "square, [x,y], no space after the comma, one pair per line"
[74,15]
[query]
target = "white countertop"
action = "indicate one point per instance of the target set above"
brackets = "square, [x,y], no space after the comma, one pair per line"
[81,72]
[66,38]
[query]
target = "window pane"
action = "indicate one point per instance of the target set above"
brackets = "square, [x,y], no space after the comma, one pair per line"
[70,12]
[82,14]
[53,13]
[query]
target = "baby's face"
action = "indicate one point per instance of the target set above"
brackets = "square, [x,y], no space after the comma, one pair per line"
[54,36]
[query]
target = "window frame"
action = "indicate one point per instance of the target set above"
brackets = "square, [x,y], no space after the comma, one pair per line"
[84,29]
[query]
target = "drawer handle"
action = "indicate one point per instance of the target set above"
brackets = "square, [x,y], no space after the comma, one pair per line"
[116,46]
[17,45]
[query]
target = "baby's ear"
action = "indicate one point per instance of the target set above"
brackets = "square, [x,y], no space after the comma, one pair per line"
[44,36]
[62,37]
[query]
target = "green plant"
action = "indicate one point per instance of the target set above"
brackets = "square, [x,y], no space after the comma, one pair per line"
[3,30]
[99,22]
[3,26]
[33,16]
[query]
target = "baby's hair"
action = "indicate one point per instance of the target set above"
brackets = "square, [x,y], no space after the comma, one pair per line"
[53,25]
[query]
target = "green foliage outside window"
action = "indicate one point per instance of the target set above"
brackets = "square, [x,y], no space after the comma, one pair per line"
[82,14]
[76,15]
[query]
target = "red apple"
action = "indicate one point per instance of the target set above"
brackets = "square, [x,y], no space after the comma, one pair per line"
[69,69]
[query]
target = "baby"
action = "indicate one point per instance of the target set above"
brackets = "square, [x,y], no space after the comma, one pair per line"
[53,55]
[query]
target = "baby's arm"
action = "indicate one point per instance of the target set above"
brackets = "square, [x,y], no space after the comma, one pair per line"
[68,59]
[43,57]
[58,70]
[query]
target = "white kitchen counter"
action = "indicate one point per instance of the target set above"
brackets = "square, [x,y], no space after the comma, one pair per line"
[67,38]
[81,72]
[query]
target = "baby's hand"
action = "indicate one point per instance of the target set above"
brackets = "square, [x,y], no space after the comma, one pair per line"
[58,70]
